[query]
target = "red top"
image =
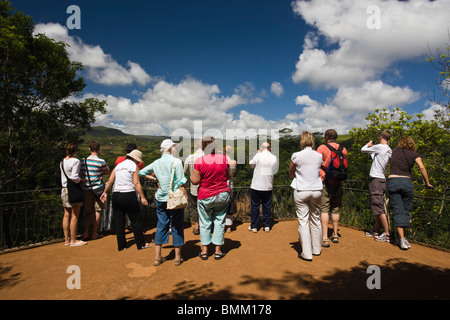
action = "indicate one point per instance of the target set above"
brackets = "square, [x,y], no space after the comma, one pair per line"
[213,169]
[122,158]
[326,156]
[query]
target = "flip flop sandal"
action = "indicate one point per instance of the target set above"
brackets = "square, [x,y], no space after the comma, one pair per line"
[325,243]
[178,262]
[203,256]
[159,262]
[78,244]
[219,256]
[335,239]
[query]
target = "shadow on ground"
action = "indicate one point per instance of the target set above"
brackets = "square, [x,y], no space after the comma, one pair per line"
[400,280]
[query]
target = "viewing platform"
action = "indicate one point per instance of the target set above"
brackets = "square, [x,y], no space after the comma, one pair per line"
[257,266]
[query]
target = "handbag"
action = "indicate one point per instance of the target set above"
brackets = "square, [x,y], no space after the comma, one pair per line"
[74,190]
[175,199]
[97,192]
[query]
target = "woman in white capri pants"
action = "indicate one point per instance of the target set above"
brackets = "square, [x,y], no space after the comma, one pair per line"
[304,169]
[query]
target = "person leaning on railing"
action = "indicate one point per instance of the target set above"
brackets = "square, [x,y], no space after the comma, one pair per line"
[400,186]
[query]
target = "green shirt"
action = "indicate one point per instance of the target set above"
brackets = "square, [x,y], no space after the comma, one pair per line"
[162,168]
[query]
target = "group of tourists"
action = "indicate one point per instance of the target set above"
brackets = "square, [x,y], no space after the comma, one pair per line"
[317,185]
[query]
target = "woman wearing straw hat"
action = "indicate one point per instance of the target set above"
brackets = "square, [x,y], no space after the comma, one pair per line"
[125,199]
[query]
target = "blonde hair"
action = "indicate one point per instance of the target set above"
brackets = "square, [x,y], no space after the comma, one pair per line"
[306,140]
[407,143]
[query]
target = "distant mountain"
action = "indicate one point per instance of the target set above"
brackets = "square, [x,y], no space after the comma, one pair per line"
[102,132]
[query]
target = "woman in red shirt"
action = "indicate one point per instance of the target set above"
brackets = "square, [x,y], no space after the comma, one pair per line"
[211,172]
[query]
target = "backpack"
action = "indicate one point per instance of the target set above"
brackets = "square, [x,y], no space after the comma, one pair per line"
[337,169]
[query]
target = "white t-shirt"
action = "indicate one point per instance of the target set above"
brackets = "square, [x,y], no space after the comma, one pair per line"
[124,176]
[72,168]
[265,165]
[381,154]
[307,170]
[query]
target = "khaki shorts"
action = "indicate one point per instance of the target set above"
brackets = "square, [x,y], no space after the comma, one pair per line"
[92,204]
[332,198]
[65,200]
[377,188]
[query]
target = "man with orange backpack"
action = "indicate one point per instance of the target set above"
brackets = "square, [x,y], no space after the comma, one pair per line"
[333,174]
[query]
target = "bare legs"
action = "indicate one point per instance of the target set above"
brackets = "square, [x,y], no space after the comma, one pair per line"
[325,218]
[159,259]
[70,225]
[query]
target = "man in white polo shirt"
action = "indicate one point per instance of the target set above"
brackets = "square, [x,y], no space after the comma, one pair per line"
[381,154]
[264,164]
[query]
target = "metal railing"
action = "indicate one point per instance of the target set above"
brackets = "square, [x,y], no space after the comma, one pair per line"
[33,218]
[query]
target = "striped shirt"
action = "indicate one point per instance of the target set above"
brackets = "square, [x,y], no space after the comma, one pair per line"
[96,167]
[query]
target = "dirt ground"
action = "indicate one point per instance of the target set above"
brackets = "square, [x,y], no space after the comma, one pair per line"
[261,266]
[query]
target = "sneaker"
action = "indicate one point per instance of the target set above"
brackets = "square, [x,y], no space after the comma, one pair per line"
[371,233]
[404,245]
[383,237]
[407,243]
[266,229]
[254,230]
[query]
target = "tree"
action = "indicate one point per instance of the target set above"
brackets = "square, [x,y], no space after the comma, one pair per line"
[441,62]
[39,112]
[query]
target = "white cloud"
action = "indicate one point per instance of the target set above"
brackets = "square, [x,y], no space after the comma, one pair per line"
[358,53]
[344,55]
[351,105]
[166,107]
[101,67]
[277,89]
[430,112]
[373,95]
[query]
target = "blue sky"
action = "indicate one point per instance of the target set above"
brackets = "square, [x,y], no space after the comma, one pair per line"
[249,65]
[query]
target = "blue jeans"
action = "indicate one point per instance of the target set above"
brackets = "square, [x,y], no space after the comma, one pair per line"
[263,198]
[401,193]
[213,211]
[169,219]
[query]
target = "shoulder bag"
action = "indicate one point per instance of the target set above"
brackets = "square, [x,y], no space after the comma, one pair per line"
[175,199]
[75,191]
